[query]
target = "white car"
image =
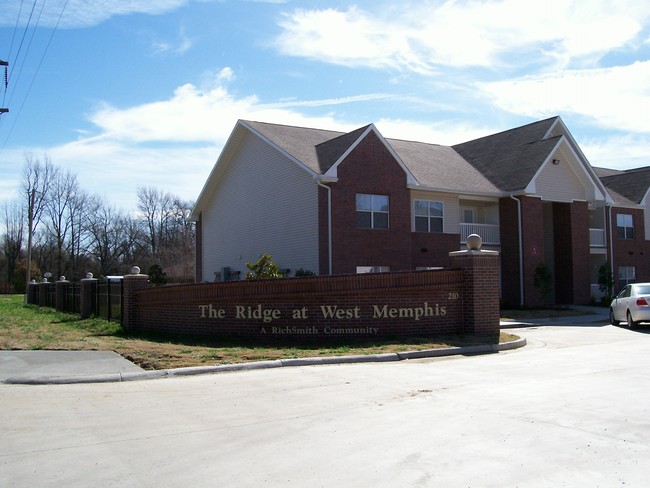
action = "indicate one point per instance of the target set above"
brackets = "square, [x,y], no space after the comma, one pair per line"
[631,305]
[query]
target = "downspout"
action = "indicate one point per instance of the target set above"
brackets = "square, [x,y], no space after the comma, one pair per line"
[329,225]
[521,253]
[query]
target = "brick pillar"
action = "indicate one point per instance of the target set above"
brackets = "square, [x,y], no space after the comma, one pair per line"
[480,288]
[61,288]
[88,296]
[32,293]
[132,283]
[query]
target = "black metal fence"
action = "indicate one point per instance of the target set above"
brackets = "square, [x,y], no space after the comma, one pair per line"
[107,302]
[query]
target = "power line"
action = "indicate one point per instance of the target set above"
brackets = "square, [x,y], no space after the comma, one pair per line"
[49,42]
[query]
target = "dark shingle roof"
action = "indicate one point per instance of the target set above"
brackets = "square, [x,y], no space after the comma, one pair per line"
[506,161]
[440,167]
[330,151]
[299,142]
[632,184]
[510,159]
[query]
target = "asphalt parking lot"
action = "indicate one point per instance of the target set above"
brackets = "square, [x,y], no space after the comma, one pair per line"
[569,409]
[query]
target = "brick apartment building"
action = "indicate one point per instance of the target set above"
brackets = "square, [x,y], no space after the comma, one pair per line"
[339,203]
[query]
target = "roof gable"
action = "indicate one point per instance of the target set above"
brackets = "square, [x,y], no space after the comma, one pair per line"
[361,135]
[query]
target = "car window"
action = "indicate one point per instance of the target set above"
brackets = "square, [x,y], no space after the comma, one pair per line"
[625,292]
[643,290]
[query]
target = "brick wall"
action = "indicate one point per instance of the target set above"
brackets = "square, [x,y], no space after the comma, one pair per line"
[370,169]
[510,266]
[571,232]
[631,252]
[415,303]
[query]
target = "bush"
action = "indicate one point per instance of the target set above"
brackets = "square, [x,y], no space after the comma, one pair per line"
[263,269]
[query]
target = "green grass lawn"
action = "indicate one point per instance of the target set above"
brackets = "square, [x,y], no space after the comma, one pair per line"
[28,327]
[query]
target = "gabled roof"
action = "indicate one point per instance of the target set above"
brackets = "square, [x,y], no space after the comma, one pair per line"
[510,159]
[632,185]
[495,165]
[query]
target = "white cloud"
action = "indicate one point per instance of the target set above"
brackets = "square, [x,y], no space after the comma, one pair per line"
[82,13]
[181,45]
[615,98]
[421,36]
[618,152]
[171,144]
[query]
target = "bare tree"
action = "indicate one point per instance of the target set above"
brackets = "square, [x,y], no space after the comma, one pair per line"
[156,208]
[108,244]
[61,197]
[38,177]
[12,239]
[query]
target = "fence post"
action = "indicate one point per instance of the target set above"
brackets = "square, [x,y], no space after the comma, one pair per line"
[88,296]
[132,283]
[61,294]
[480,287]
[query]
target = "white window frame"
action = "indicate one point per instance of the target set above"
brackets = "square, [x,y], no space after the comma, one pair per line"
[626,222]
[429,216]
[372,211]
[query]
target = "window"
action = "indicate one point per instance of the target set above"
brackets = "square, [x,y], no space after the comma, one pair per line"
[626,275]
[625,226]
[428,216]
[469,216]
[373,269]
[372,211]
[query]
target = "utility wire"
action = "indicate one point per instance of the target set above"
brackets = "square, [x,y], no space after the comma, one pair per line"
[49,42]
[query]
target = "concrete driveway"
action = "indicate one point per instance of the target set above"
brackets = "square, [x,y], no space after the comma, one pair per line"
[570,409]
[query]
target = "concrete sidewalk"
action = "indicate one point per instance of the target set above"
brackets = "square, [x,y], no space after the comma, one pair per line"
[64,367]
[593,316]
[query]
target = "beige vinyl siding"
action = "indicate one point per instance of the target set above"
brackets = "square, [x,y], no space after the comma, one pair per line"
[450,208]
[559,183]
[264,202]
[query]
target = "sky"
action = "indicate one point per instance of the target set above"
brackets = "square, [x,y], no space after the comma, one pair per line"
[140,93]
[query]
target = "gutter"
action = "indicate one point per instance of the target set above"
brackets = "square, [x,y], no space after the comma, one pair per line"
[521,253]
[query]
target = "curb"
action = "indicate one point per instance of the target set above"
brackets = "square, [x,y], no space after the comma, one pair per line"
[279,363]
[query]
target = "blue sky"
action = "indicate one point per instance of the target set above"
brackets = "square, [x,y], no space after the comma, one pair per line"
[128,93]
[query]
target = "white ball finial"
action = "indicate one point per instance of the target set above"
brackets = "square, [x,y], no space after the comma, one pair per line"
[135,270]
[474,242]
[89,275]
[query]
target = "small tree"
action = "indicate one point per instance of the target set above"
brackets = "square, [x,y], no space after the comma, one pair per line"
[19,274]
[157,276]
[605,283]
[543,281]
[264,268]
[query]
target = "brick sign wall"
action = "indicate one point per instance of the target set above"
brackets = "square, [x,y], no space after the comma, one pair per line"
[462,299]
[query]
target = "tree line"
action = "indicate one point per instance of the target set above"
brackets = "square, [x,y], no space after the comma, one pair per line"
[56,227]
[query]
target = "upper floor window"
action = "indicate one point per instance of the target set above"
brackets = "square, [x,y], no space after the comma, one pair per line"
[625,226]
[428,216]
[372,211]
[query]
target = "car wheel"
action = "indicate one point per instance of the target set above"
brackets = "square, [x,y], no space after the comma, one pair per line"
[612,320]
[630,323]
